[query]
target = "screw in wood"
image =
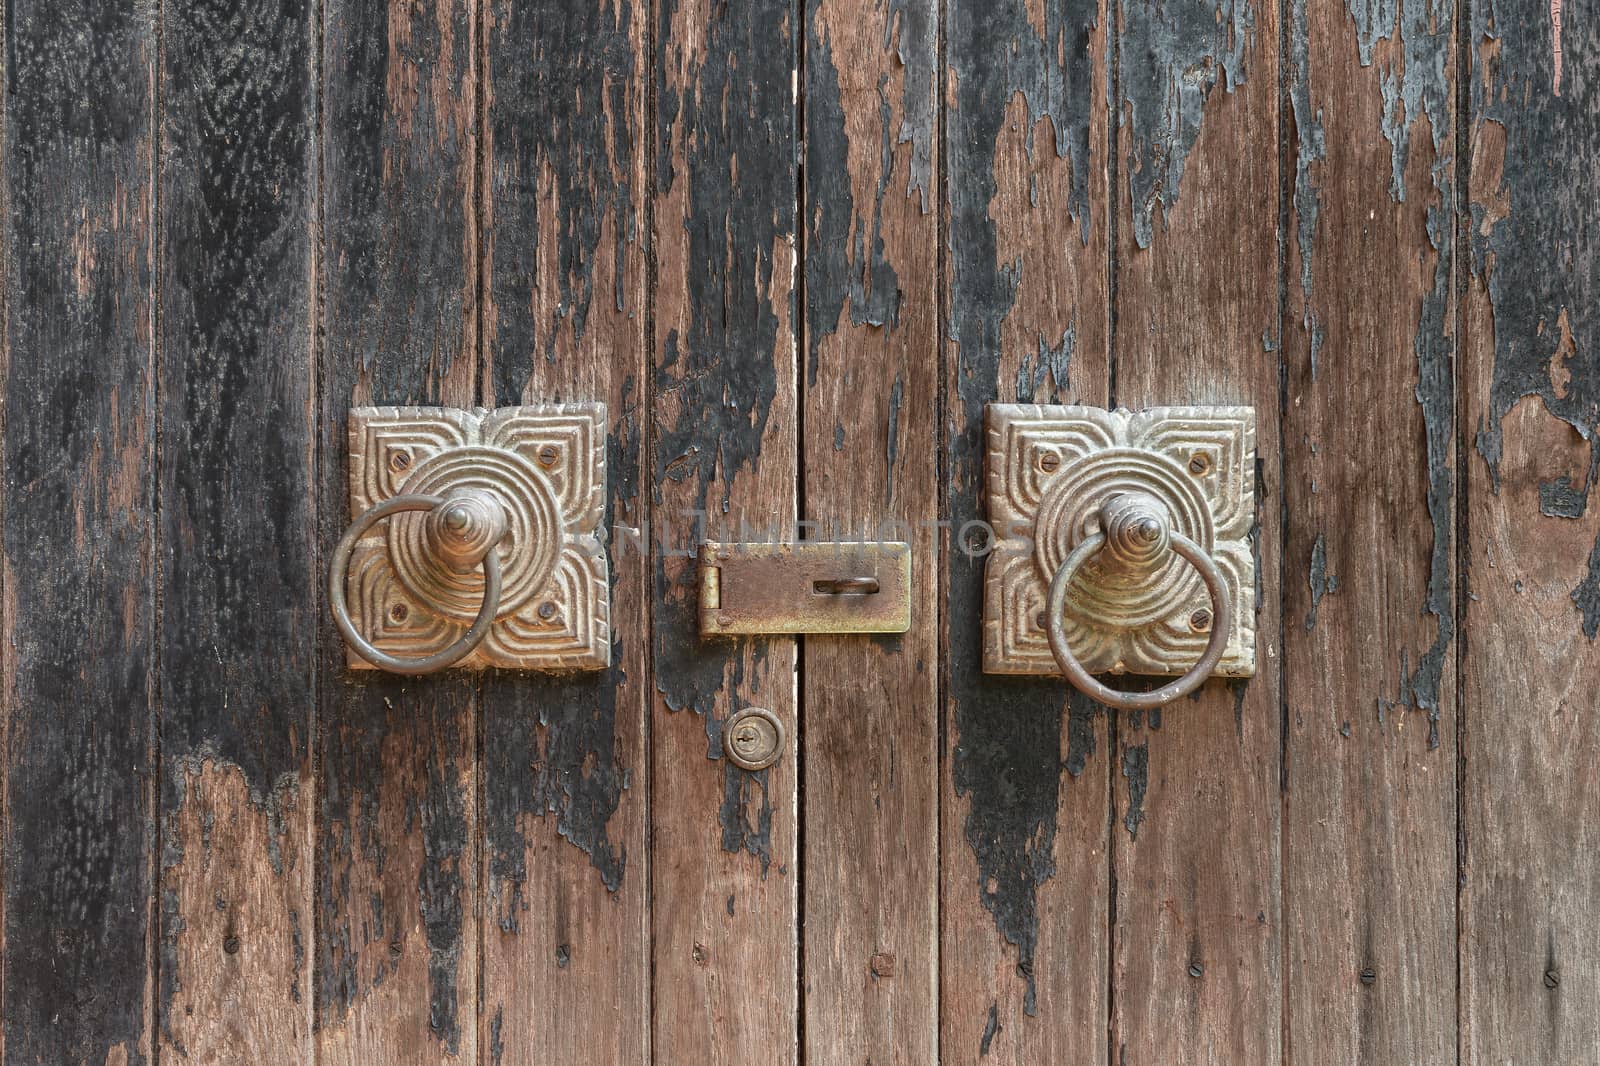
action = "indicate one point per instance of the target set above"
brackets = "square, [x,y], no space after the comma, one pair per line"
[230,944]
[1552,978]
[1196,970]
[1369,976]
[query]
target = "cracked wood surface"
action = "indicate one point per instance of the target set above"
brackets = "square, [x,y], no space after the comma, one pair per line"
[796,248]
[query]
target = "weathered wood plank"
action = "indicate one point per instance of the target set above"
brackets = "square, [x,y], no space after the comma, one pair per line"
[723,464]
[1529,988]
[237,573]
[79,603]
[1197,966]
[397,942]
[870,723]
[1369,570]
[565,779]
[1023,840]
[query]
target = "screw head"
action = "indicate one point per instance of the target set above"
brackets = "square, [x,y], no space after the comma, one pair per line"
[548,454]
[547,610]
[1552,978]
[753,738]
[400,460]
[1369,976]
[1199,463]
[1048,461]
[230,944]
[399,613]
[1200,621]
[1196,970]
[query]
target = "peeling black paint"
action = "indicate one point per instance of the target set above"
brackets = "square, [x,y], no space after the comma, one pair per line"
[891,445]
[77,431]
[1537,258]
[1417,80]
[1310,150]
[1136,770]
[559,129]
[1006,760]
[723,371]
[396,174]
[1049,365]
[1587,595]
[1173,55]
[1322,582]
[991,1029]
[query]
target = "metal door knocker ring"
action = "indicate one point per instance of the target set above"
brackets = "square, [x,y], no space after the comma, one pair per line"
[463,529]
[1136,535]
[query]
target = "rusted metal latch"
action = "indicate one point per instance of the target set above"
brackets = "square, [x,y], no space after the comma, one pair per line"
[809,587]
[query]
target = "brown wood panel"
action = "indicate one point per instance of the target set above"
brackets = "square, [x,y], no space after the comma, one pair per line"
[238,577]
[723,463]
[1531,823]
[566,922]
[78,590]
[398,899]
[869,724]
[1369,566]
[1195,838]
[1026,767]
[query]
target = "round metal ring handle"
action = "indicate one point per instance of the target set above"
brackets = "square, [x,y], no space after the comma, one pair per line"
[1221,626]
[341,610]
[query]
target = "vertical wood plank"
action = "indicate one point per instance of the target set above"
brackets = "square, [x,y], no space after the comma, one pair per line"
[1024,820]
[237,572]
[567,926]
[723,465]
[869,418]
[1197,966]
[78,588]
[1369,572]
[1530,976]
[397,941]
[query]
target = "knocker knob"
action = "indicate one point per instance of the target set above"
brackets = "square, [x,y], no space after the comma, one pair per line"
[469,524]
[1138,532]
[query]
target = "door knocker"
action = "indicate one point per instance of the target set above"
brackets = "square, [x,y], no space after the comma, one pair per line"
[1122,546]
[476,540]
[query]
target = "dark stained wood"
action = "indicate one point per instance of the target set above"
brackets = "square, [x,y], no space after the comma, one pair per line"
[1026,767]
[1369,590]
[870,726]
[1197,966]
[724,876]
[79,604]
[1531,874]
[566,922]
[398,854]
[237,572]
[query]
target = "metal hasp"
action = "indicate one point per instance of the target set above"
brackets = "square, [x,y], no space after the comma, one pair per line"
[491,555]
[809,587]
[1145,519]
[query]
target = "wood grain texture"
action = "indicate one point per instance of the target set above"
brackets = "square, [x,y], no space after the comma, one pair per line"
[1531,874]
[723,464]
[869,725]
[1369,570]
[566,922]
[78,588]
[1026,767]
[397,889]
[1197,942]
[237,572]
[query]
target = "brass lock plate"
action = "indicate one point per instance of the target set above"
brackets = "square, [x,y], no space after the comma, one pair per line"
[546,466]
[809,587]
[1049,469]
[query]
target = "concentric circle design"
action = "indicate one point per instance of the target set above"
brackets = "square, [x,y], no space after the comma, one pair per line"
[1107,592]
[533,521]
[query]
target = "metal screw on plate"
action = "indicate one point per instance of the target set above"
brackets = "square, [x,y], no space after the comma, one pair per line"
[547,610]
[400,460]
[548,455]
[1200,621]
[1048,461]
[753,738]
[1200,464]
[399,613]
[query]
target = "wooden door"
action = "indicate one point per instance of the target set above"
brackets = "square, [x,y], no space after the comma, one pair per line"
[796,248]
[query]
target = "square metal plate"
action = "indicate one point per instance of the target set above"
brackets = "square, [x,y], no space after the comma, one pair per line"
[548,464]
[1049,466]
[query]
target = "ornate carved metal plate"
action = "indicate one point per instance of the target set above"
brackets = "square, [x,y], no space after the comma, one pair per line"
[546,467]
[1049,470]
